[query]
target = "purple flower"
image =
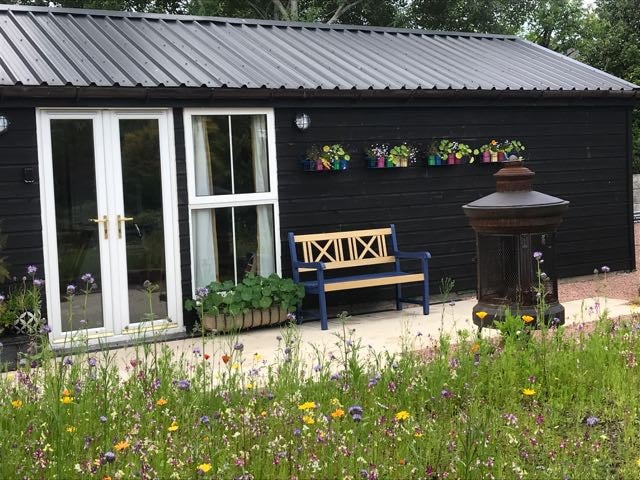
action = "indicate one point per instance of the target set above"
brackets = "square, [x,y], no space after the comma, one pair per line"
[446,393]
[592,421]
[356,417]
[605,269]
[32,269]
[71,289]
[183,384]
[279,338]
[238,346]
[537,255]
[204,420]
[291,317]
[68,361]
[87,278]
[109,457]
[196,351]
[356,412]
[202,292]
[92,362]
[317,368]
[103,419]
[296,432]
[38,282]
[335,376]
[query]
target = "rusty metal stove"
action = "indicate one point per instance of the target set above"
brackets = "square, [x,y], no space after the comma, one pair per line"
[511,225]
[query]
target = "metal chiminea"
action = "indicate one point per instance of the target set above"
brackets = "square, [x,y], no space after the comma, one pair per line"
[511,226]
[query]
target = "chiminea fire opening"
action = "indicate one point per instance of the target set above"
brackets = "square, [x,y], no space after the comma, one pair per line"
[515,238]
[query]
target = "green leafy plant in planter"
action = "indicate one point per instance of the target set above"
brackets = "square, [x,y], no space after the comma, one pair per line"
[513,147]
[465,150]
[256,301]
[337,156]
[377,155]
[4,269]
[453,152]
[402,155]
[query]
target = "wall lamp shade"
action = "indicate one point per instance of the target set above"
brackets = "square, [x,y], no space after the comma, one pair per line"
[4,124]
[303,121]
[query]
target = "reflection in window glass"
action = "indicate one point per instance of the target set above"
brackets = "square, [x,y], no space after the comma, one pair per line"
[230,154]
[231,242]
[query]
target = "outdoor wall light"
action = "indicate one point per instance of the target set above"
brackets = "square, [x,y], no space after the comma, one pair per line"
[4,124]
[303,121]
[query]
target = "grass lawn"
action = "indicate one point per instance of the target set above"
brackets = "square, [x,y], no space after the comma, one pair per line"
[526,406]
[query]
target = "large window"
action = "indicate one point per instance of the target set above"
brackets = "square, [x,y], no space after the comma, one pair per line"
[233,198]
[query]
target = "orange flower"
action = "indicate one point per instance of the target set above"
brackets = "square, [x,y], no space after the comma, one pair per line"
[106,477]
[207,356]
[121,445]
[528,318]
[66,393]
[161,402]
[481,315]
[493,142]
[475,348]
[226,358]
[337,413]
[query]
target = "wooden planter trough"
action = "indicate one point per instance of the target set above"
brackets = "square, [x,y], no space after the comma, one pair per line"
[251,319]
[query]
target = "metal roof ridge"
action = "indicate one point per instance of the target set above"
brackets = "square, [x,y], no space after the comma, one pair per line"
[248,21]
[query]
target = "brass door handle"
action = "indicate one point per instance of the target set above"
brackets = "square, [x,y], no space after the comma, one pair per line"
[105,224]
[121,219]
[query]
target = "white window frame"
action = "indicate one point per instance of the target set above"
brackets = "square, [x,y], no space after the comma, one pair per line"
[232,200]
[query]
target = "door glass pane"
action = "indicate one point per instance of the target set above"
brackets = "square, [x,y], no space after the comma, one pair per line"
[144,232]
[214,255]
[74,180]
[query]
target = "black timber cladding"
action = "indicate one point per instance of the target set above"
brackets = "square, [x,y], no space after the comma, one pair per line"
[82,48]
[20,219]
[580,154]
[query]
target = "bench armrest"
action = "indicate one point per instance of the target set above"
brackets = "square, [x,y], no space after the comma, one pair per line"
[416,255]
[314,265]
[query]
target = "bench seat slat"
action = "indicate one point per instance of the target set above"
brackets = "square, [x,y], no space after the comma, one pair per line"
[353,263]
[368,280]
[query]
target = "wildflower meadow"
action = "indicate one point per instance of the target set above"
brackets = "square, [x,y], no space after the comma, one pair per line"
[525,405]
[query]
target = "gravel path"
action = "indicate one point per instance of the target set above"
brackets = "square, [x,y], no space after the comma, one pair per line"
[616,285]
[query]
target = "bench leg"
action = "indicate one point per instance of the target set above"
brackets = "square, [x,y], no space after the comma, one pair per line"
[398,297]
[425,296]
[323,310]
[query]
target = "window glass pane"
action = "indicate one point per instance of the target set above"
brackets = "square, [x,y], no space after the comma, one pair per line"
[213,150]
[213,243]
[212,155]
[250,160]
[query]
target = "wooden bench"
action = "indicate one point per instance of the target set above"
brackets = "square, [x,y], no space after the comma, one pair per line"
[351,250]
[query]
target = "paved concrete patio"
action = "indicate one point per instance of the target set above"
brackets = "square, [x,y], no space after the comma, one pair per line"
[383,331]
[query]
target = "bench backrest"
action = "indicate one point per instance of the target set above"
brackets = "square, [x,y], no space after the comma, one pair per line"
[355,248]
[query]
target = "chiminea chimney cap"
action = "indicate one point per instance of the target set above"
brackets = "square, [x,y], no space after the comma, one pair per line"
[515,206]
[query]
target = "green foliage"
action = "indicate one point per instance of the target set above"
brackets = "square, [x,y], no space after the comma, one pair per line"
[4,268]
[254,292]
[557,24]
[23,297]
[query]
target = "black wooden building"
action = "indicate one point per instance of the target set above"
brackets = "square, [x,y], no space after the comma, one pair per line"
[164,148]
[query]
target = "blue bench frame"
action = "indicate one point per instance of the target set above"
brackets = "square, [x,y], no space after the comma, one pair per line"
[326,251]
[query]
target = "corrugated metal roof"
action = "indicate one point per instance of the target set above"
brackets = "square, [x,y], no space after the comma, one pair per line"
[58,47]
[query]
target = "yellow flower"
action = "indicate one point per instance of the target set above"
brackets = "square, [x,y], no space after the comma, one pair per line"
[326,148]
[475,348]
[481,315]
[638,462]
[337,413]
[308,420]
[418,434]
[173,427]
[121,445]
[204,467]
[263,413]
[402,415]
[70,429]
[335,401]
[307,406]
[249,386]
[161,402]
[528,318]
[257,357]
[66,399]
[16,403]
[528,392]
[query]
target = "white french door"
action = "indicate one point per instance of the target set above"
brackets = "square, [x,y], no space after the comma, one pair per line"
[109,222]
